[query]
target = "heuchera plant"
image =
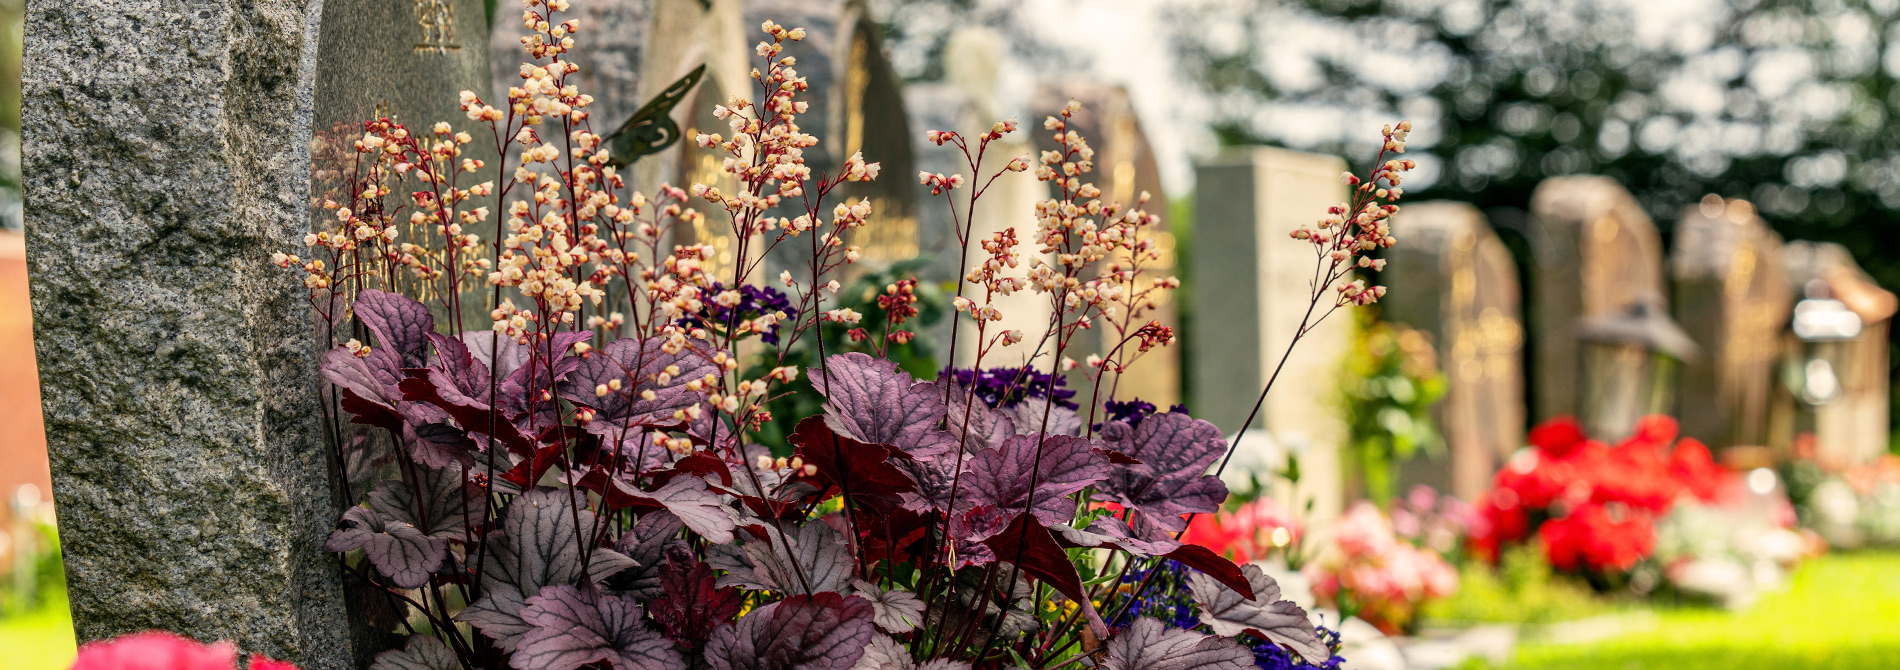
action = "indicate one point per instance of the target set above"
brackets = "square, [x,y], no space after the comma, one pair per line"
[574,486]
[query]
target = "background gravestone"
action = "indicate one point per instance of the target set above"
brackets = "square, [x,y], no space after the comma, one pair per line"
[968,104]
[1124,169]
[1596,254]
[610,50]
[1251,273]
[856,104]
[1732,296]
[1452,278]
[166,155]
[1853,427]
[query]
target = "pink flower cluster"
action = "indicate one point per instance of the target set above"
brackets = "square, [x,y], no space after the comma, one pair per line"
[1368,569]
[1253,531]
[159,650]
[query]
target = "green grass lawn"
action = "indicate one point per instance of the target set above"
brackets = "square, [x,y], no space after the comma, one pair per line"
[39,640]
[1842,611]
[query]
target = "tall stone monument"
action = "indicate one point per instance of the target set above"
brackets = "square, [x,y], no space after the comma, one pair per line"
[1733,297]
[1125,168]
[1596,254]
[166,153]
[1253,280]
[1451,277]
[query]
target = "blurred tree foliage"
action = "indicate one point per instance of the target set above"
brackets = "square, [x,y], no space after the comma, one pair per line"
[1784,103]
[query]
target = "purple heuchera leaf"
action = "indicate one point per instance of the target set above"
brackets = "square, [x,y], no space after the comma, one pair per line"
[818,561]
[1149,644]
[870,400]
[1175,451]
[401,328]
[1265,615]
[826,631]
[934,480]
[1027,416]
[572,627]
[439,445]
[637,366]
[691,605]
[482,345]
[971,422]
[1001,477]
[398,550]
[646,544]
[689,499]
[448,502]
[423,652]
[894,611]
[521,391]
[535,549]
[864,472]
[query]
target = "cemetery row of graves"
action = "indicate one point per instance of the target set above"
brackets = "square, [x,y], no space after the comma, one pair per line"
[1508,439]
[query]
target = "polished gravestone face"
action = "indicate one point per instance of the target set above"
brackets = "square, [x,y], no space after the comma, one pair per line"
[1452,278]
[1732,295]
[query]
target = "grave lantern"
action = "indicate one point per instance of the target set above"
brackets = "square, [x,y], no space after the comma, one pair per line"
[1630,361]
[1823,326]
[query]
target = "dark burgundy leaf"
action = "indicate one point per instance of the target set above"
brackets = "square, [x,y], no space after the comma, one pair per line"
[1265,615]
[826,631]
[435,388]
[1175,451]
[872,401]
[1002,477]
[862,472]
[691,605]
[573,627]
[423,652]
[1029,545]
[398,550]
[1214,565]
[1149,644]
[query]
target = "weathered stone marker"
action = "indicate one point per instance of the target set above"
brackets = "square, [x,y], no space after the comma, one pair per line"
[166,156]
[1597,254]
[1451,277]
[968,104]
[1255,278]
[1732,295]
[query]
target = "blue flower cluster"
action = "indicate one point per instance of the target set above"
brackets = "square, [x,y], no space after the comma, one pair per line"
[1006,387]
[1168,599]
[1270,656]
[1133,411]
[754,302]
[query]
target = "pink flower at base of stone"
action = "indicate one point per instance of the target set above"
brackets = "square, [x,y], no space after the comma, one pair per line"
[159,650]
